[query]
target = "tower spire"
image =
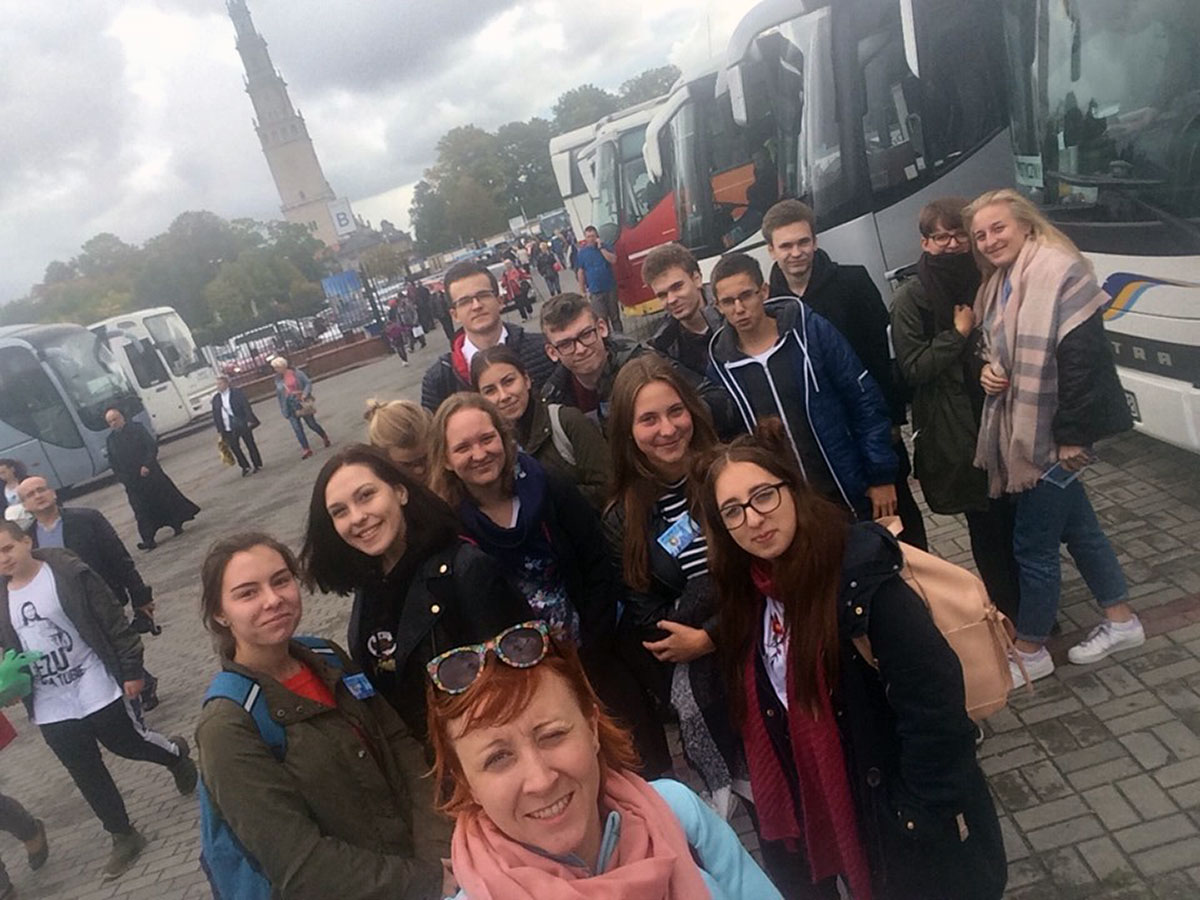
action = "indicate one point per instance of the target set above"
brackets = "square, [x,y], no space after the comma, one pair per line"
[304,194]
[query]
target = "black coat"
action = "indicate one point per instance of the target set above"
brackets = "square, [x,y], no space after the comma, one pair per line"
[441,379]
[667,339]
[154,498]
[91,537]
[455,596]
[1091,402]
[848,298]
[239,405]
[909,745]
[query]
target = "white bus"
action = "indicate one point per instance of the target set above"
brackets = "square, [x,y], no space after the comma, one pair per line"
[56,381]
[156,350]
[569,173]
[1105,104]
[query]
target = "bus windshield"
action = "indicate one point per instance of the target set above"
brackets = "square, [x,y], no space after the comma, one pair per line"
[1105,104]
[174,341]
[606,210]
[87,371]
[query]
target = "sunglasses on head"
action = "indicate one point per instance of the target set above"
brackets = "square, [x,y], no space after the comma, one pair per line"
[520,646]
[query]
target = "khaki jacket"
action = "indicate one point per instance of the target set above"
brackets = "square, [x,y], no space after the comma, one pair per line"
[341,815]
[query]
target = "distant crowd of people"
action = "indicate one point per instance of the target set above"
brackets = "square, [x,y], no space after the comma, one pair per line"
[575,539]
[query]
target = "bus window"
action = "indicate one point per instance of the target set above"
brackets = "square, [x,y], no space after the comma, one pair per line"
[175,343]
[147,368]
[30,403]
[640,193]
[87,372]
[915,127]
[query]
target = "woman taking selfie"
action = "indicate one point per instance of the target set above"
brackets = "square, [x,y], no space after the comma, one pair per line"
[666,633]
[400,428]
[418,587]
[547,541]
[560,437]
[541,785]
[870,774]
[1052,391]
[326,819]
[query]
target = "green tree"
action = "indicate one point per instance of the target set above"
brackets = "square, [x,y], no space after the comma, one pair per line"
[428,214]
[524,150]
[472,212]
[385,261]
[581,106]
[648,84]
[57,271]
[468,151]
[106,254]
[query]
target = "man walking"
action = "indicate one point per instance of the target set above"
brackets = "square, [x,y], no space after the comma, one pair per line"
[474,296]
[847,298]
[674,275]
[133,455]
[91,537]
[595,261]
[90,668]
[235,422]
[781,359]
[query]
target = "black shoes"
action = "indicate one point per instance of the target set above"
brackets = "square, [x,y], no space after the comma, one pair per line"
[38,849]
[184,770]
[147,545]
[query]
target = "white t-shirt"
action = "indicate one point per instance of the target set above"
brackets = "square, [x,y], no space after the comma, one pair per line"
[69,681]
[469,350]
[775,647]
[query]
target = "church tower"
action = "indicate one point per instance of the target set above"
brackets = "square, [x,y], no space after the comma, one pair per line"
[304,194]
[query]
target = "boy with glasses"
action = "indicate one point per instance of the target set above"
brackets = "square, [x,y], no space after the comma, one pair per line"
[846,296]
[781,359]
[473,295]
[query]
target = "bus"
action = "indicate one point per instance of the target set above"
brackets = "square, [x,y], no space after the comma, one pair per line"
[573,187]
[1105,107]
[863,109]
[56,381]
[155,349]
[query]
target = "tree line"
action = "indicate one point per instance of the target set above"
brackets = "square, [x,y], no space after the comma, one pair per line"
[481,179]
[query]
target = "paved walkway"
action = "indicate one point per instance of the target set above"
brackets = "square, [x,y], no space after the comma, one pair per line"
[1097,773]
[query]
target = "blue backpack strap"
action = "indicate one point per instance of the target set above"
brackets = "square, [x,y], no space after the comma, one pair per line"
[321,647]
[247,693]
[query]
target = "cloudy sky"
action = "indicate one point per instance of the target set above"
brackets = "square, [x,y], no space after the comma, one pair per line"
[120,114]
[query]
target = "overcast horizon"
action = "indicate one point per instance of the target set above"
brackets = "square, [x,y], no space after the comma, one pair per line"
[121,115]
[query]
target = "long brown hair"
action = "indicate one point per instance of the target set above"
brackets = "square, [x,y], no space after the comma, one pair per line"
[636,485]
[212,580]
[806,574]
[442,481]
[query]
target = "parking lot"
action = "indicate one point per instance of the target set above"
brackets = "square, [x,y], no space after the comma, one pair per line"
[1097,774]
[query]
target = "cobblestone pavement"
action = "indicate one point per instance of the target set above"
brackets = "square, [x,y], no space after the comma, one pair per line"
[1097,774]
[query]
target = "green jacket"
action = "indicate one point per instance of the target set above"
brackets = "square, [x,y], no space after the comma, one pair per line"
[592,470]
[93,609]
[945,418]
[347,813]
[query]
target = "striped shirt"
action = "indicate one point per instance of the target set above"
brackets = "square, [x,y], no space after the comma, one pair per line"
[672,505]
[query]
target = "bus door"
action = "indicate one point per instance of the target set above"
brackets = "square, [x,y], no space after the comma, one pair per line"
[36,426]
[166,407]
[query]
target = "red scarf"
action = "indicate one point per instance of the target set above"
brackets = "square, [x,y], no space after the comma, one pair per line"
[826,820]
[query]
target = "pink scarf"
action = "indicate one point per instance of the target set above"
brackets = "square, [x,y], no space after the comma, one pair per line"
[652,860]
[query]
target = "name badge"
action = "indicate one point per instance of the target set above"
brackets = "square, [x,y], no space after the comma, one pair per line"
[359,686]
[679,536]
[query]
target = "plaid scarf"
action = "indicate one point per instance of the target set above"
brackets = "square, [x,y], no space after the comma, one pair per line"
[1025,311]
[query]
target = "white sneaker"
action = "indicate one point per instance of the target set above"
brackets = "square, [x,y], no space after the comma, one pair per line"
[1106,638]
[1037,666]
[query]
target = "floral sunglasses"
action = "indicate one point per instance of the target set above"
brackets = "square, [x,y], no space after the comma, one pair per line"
[520,646]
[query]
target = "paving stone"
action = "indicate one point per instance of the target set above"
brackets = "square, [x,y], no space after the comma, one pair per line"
[1146,796]
[1072,831]
[1089,688]
[1024,872]
[1067,868]
[1013,791]
[1178,773]
[1113,809]
[1124,705]
[1049,711]
[1048,813]
[1046,781]
[1014,845]
[1090,756]
[1104,857]
[1105,773]
[1119,681]
[1055,738]
[1168,857]
[1146,749]
[1186,795]
[1013,759]
[1152,834]
[1145,718]
[1086,728]
[1180,739]
[1004,742]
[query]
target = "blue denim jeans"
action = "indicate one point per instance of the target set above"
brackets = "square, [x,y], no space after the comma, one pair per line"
[1048,516]
[311,422]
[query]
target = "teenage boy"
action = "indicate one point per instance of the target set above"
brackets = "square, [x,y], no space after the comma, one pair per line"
[781,359]
[473,295]
[595,261]
[90,668]
[589,357]
[846,297]
[674,275]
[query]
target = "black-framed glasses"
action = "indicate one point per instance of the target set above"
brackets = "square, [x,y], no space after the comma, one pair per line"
[944,238]
[520,646]
[478,297]
[764,500]
[743,298]
[585,338]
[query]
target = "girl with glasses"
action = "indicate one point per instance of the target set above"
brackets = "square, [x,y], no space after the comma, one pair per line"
[559,437]
[863,774]
[547,541]
[661,428]
[346,811]
[418,587]
[540,781]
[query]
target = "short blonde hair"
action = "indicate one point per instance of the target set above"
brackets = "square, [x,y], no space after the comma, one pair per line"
[1024,211]
[279,362]
[397,423]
